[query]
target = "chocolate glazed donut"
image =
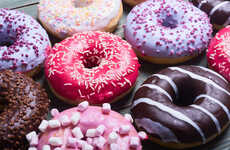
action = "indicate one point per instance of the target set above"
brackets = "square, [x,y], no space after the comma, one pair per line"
[218,11]
[23,104]
[182,107]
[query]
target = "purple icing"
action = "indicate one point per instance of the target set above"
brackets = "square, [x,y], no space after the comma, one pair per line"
[22,41]
[168,28]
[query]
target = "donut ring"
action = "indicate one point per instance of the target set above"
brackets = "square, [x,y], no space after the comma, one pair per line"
[182,107]
[218,53]
[89,127]
[94,66]
[23,105]
[167,31]
[63,18]
[23,42]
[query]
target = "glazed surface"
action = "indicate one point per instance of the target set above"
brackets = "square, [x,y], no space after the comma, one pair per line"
[92,66]
[182,105]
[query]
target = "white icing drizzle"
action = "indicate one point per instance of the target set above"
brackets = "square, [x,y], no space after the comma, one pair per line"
[169,80]
[153,86]
[198,77]
[201,3]
[213,72]
[178,115]
[153,127]
[215,101]
[214,119]
[217,7]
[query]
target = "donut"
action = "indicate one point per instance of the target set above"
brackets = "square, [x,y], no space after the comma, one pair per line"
[182,107]
[167,31]
[23,105]
[133,2]
[217,10]
[91,66]
[63,18]
[87,128]
[218,53]
[22,42]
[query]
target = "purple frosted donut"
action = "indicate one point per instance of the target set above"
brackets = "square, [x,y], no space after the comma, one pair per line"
[22,42]
[167,31]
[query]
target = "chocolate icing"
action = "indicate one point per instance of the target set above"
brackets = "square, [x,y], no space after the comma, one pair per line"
[220,16]
[188,89]
[23,105]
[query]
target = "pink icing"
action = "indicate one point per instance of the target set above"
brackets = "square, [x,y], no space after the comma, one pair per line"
[92,66]
[91,118]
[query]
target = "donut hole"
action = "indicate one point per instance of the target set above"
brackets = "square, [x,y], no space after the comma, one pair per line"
[82,3]
[170,22]
[7,39]
[92,61]
[187,93]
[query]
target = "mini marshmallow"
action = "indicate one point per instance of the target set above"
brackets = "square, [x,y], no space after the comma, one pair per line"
[54,123]
[46,147]
[75,118]
[54,112]
[43,126]
[65,121]
[99,142]
[134,142]
[83,106]
[129,117]
[32,148]
[91,133]
[80,143]
[57,148]
[124,129]
[55,141]
[77,133]
[89,141]
[34,140]
[100,130]
[30,135]
[114,146]
[71,142]
[113,136]
[142,135]
[86,146]
[106,108]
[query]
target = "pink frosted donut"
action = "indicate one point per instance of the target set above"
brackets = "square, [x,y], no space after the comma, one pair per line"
[87,128]
[94,66]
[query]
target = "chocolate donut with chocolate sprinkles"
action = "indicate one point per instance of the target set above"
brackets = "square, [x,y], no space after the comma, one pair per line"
[182,107]
[23,105]
[217,10]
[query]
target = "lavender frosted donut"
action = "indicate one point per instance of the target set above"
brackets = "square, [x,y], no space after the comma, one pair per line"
[22,42]
[167,31]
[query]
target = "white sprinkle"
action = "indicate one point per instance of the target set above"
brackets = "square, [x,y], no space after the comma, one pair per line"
[114,146]
[30,135]
[77,133]
[106,108]
[83,106]
[32,148]
[66,84]
[43,126]
[129,117]
[54,112]
[65,121]
[100,130]
[75,118]
[128,81]
[124,129]
[54,123]
[55,141]
[113,136]
[142,135]
[46,147]
[91,133]
[134,142]
[71,142]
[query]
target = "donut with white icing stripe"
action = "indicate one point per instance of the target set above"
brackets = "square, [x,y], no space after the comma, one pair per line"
[63,18]
[182,107]
[218,11]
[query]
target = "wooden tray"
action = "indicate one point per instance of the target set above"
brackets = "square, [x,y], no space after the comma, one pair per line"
[30,7]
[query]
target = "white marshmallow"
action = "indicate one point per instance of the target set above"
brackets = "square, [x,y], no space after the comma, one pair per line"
[100,130]
[114,146]
[142,135]
[46,147]
[113,136]
[30,135]
[57,148]
[54,112]
[87,147]
[89,141]
[65,121]
[43,126]
[134,142]
[77,133]
[55,141]
[129,117]
[71,142]
[124,129]
[32,148]
[34,140]
[54,123]
[106,108]
[83,106]
[75,118]
[91,133]
[99,142]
